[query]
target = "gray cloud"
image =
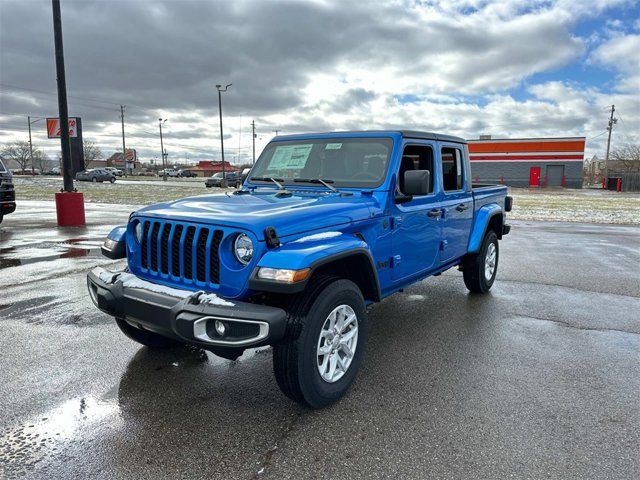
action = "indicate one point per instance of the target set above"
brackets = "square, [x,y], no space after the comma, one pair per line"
[164,58]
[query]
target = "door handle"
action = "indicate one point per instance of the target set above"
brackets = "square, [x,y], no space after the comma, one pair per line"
[435,213]
[462,207]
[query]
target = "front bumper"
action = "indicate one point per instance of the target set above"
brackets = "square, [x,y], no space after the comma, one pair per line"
[186,316]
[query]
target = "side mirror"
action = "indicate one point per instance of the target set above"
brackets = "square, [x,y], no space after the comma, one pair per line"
[417,182]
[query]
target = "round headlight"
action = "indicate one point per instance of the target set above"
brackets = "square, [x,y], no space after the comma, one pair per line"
[243,248]
[138,230]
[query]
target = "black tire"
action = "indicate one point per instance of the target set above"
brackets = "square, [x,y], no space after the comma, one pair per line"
[295,359]
[1,216]
[94,179]
[473,267]
[112,179]
[149,339]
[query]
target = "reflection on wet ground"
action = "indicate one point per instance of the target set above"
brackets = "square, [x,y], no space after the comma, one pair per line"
[45,251]
[130,409]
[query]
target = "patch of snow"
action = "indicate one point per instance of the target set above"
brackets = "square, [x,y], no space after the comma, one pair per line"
[318,236]
[131,281]
[415,297]
[213,299]
[105,275]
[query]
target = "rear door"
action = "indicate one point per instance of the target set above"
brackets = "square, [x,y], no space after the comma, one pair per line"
[456,200]
[534,177]
[416,224]
[555,173]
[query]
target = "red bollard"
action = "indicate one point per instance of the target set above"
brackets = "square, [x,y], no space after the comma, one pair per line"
[619,185]
[70,209]
[603,183]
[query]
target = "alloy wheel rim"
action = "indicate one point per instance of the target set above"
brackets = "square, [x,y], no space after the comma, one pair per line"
[337,343]
[490,261]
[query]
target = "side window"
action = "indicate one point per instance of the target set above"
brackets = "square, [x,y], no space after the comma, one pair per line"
[451,169]
[416,157]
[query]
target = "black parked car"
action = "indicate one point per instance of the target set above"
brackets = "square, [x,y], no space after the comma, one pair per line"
[215,180]
[96,175]
[7,192]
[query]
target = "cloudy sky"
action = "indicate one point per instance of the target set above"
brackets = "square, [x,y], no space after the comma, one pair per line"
[509,68]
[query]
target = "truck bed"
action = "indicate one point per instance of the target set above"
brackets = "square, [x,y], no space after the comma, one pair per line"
[484,194]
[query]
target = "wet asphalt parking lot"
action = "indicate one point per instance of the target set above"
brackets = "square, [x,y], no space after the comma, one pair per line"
[538,379]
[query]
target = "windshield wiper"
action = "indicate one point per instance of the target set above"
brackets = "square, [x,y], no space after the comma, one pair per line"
[324,182]
[269,179]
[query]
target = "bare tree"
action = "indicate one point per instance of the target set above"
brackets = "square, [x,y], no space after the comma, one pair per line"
[626,158]
[91,151]
[17,151]
[41,161]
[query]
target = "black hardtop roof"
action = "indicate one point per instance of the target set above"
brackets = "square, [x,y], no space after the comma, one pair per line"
[432,136]
[404,133]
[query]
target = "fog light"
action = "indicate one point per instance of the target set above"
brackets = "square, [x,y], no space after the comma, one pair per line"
[220,328]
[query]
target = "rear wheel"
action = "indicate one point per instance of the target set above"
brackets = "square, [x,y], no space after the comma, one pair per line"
[480,269]
[94,179]
[149,339]
[318,365]
[112,179]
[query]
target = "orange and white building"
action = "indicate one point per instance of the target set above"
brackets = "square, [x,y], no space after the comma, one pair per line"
[528,162]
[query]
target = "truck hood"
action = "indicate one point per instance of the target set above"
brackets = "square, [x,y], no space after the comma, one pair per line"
[289,215]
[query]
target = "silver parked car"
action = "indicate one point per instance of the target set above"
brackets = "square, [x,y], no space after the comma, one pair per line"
[95,175]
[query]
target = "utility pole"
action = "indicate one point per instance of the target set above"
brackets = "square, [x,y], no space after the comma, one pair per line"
[239,141]
[220,90]
[612,122]
[33,172]
[124,148]
[253,138]
[62,98]
[276,131]
[162,153]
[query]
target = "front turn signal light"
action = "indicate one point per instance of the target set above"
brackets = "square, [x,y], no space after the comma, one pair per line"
[283,275]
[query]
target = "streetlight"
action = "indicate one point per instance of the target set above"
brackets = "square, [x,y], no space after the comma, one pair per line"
[164,171]
[30,122]
[220,90]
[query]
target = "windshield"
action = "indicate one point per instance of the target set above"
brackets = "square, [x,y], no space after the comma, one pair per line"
[2,167]
[217,175]
[343,162]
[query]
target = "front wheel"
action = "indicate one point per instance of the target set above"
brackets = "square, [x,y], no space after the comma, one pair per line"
[94,179]
[479,270]
[112,179]
[317,367]
[149,339]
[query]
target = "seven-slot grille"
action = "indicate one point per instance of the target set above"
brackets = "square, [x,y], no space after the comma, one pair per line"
[189,252]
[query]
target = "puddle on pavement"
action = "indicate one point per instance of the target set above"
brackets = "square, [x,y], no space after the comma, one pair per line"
[25,255]
[24,446]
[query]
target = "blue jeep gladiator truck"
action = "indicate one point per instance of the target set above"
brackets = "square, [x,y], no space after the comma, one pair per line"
[323,226]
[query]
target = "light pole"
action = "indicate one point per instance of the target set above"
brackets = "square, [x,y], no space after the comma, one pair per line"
[30,122]
[164,171]
[220,90]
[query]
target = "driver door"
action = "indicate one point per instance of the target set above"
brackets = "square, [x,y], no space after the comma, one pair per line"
[417,223]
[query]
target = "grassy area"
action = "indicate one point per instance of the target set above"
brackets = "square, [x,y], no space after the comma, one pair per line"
[139,192]
[587,205]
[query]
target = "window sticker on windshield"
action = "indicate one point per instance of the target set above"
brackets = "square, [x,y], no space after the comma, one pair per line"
[333,146]
[290,157]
